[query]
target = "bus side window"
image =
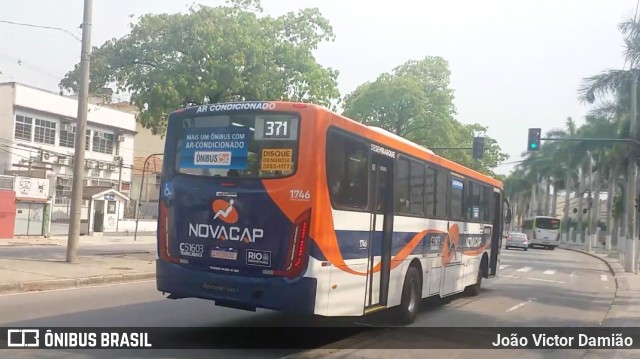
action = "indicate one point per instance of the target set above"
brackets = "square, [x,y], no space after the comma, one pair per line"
[442,183]
[347,170]
[416,184]
[457,199]
[402,186]
[487,205]
[430,192]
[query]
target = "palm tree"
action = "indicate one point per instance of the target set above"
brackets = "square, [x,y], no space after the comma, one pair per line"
[517,188]
[617,84]
[568,158]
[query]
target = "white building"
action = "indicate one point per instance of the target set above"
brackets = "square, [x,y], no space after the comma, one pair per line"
[37,139]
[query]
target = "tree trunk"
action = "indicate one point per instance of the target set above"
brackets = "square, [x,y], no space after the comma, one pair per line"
[623,216]
[547,196]
[523,210]
[611,183]
[567,203]
[532,205]
[579,226]
[554,201]
[539,196]
[595,215]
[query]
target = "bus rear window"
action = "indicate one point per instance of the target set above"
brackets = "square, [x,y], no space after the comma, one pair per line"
[547,223]
[246,145]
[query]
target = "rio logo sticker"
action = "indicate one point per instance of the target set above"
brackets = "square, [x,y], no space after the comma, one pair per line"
[225,218]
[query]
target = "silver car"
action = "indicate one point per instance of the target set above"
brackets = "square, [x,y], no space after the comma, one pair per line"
[517,240]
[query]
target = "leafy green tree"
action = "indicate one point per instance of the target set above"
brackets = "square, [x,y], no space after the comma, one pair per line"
[214,54]
[414,101]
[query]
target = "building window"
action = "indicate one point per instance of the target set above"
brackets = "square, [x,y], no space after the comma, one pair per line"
[68,137]
[23,128]
[44,132]
[63,190]
[111,207]
[98,182]
[88,140]
[103,142]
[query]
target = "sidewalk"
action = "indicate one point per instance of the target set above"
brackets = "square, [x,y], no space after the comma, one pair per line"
[625,309]
[49,269]
[84,240]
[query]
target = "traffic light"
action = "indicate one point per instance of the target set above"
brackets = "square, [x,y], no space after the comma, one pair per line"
[478,147]
[534,139]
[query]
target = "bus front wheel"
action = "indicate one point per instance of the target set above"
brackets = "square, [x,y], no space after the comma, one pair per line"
[411,295]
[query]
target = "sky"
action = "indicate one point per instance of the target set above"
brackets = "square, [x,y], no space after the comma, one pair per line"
[514,64]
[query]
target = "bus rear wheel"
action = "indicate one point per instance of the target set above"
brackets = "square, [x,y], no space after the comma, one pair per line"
[411,295]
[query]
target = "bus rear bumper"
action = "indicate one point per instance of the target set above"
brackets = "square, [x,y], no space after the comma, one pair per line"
[291,296]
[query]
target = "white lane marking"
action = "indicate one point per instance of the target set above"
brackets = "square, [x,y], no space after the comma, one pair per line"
[525,269]
[504,266]
[76,288]
[519,305]
[546,280]
[550,271]
[507,276]
[603,277]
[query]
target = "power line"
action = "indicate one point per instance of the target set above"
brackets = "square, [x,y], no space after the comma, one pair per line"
[41,27]
[22,63]
[508,163]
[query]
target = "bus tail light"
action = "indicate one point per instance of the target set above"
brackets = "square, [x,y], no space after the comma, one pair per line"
[298,246]
[163,233]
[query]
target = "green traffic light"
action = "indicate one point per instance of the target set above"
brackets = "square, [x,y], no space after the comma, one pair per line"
[533,145]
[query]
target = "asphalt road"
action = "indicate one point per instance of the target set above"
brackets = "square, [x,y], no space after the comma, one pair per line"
[51,252]
[535,288]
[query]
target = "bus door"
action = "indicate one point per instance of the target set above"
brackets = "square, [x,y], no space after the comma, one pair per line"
[381,233]
[495,234]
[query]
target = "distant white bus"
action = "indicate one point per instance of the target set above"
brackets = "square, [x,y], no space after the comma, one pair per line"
[542,231]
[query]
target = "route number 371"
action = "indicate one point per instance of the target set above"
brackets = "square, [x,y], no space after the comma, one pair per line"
[300,194]
[277,129]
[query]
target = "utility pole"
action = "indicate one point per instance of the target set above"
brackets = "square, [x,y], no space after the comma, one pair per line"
[78,164]
[120,174]
[632,171]
[590,211]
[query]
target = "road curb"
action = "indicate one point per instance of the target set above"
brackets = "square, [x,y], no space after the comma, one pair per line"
[615,276]
[613,272]
[44,285]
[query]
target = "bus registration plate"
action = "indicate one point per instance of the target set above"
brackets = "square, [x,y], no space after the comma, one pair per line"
[224,254]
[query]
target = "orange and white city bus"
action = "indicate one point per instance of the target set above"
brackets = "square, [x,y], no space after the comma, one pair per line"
[291,207]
